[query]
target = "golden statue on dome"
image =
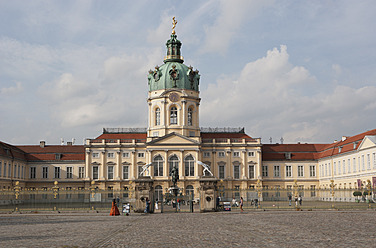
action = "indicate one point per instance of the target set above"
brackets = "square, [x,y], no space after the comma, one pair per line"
[174,22]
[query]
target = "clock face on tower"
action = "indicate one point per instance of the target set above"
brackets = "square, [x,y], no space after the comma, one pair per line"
[174,97]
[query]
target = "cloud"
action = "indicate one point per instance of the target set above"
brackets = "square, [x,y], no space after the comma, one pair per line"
[231,17]
[268,98]
[12,89]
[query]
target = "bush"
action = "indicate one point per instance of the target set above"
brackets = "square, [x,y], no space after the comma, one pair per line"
[357,193]
[365,193]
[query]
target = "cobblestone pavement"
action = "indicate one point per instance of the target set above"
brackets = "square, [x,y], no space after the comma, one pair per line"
[224,229]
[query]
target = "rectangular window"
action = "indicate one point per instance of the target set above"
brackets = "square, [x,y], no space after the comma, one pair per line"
[57,172]
[236,154]
[95,172]
[9,170]
[312,171]
[18,171]
[236,171]
[221,170]
[334,168]
[58,156]
[221,154]
[206,154]
[339,167]
[251,171]
[277,171]
[300,171]
[125,172]
[363,164]
[5,169]
[264,170]
[140,155]
[368,162]
[251,154]
[110,172]
[348,166]
[33,172]
[326,169]
[374,160]
[125,154]
[81,172]
[1,167]
[344,166]
[354,164]
[69,172]
[45,172]
[288,171]
[95,154]
[110,155]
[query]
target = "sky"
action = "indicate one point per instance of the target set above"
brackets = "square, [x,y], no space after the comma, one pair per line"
[299,70]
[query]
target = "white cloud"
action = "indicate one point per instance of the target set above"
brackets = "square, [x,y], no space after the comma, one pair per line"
[12,89]
[230,19]
[266,97]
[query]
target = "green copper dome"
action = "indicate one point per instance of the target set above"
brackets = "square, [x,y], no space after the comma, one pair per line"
[173,73]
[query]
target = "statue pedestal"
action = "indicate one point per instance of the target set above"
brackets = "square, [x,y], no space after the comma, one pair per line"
[144,189]
[208,194]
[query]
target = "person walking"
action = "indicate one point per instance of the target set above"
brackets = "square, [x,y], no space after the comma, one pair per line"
[290,198]
[147,205]
[241,204]
[300,199]
[114,209]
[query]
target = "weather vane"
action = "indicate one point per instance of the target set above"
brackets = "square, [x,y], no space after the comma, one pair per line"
[174,22]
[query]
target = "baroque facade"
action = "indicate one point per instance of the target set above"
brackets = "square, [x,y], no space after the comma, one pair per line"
[174,138]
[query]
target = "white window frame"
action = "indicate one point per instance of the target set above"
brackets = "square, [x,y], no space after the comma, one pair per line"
[110,155]
[110,172]
[206,154]
[288,170]
[96,155]
[312,170]
[125,154]
[251,171]
[221,174]
[140,154]
[95,174]
[45,172]
[236,154]
[125,172]
[301,170]
[69,172]
[221,154]
[264,171]
[236,171]
[251,154]
[173,115]
[33,172]
[57,172]
[81,172]
[277,171]
[189,166]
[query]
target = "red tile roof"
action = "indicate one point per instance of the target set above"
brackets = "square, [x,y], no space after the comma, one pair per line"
[48,152]
[275,152]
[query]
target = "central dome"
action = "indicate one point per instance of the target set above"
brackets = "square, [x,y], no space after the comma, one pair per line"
[173,74]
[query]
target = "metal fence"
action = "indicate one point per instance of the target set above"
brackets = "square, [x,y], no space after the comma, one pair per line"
[56,199]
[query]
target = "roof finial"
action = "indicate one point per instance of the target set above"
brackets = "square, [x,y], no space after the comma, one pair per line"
[174,22]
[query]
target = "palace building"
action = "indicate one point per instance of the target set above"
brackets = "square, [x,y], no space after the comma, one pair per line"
[174,138]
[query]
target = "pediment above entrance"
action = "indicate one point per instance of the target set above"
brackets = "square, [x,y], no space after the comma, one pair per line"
[173,139]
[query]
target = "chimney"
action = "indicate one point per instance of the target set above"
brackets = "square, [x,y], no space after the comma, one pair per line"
[69,143]
[42,143]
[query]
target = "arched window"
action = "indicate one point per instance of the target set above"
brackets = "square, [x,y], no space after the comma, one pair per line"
[158,193]
[190,117]
[189,190]
[157,116]
[173,162]
[173,116]
[158,166]
[189,166]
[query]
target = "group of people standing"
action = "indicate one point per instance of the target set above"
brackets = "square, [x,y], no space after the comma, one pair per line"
[298,199]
